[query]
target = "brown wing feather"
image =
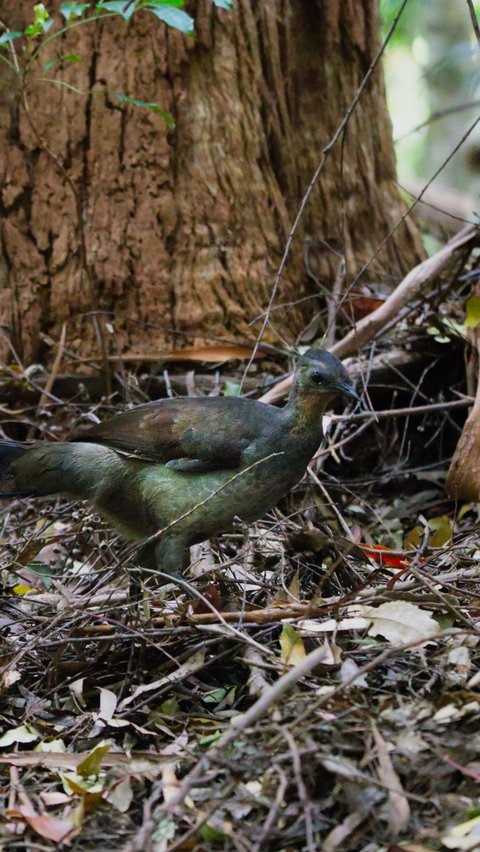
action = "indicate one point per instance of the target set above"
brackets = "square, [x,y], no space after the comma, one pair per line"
[213,430]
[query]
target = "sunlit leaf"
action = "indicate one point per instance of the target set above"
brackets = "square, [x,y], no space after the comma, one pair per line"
[91,764]
[148,105]
[465,835]
[472,318]
[292,647]
[51,747]
[178,3]
[22,734]
[41,21]
[440,533]
[21,589]
[223,4]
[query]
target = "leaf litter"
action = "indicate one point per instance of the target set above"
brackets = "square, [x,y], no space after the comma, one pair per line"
[112,713]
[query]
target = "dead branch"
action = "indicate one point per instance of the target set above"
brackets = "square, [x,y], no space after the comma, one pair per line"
[407,291]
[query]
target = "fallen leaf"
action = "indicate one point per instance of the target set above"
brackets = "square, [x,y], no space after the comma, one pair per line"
[91,764]
[22,734]
[212,354]
[292,647]
[121,795]
[400,621]
[48,827]
[465,835]
[398,807]
[108,704]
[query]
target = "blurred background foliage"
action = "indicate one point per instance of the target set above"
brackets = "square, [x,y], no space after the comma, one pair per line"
[432,69]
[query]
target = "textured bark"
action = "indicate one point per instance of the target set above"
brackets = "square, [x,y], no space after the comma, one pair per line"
[185,229]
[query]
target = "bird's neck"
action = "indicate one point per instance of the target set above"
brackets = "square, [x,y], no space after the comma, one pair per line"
[305,409]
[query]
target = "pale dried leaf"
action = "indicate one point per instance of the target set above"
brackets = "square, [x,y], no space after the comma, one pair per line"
[292,647]
[22,734]
[348,669]
[121,795]
[398,807]
[336,838]
[400,621]
[108,704]
[466,835]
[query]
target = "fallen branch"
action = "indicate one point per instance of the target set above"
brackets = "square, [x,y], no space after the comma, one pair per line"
[407,291]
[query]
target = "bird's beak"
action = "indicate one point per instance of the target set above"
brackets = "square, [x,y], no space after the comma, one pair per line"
[346,389]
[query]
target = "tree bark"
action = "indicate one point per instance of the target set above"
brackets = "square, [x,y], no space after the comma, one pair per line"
[184,229]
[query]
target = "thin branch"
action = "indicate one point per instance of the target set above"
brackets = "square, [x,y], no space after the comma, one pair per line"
[473,17]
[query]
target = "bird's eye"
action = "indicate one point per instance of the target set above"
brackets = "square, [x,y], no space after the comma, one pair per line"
[317,377]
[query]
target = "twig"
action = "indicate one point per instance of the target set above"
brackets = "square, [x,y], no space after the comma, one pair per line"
[476,28]
[240,723]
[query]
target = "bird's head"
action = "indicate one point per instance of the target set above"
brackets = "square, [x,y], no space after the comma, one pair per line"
[320,372]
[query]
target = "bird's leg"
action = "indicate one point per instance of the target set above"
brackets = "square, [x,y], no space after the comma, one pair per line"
[169,555]
[172,557]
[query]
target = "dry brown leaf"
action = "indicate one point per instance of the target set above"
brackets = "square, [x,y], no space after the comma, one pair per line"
[48,827]
[398,807]
[337,836]
[213,354]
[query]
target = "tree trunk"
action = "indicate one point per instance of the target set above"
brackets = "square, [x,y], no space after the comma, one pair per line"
[184,229]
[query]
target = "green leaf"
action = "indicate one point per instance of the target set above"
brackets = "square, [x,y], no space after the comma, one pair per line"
[90,765]
[69,57]
[173,17]
[211,738]
[223,4]
[148,105]
[231,388]
[120,7]
[70,11]
[291,644]
[211,835]
[473,312]
[9,36]
[41,22]
[178,3]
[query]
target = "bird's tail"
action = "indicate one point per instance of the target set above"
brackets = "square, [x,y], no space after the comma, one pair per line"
[10,484]
[39,469]
[35,470]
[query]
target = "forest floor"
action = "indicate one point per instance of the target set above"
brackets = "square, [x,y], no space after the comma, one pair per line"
[313,685]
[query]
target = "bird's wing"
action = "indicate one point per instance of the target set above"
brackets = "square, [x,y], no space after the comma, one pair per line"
[210,432]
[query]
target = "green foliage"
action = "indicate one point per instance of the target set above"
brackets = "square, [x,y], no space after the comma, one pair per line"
[5,38]
[148,105]
[473,312]
[75,14]
[61,60]
[172,16]
[70,11]
[41,22]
